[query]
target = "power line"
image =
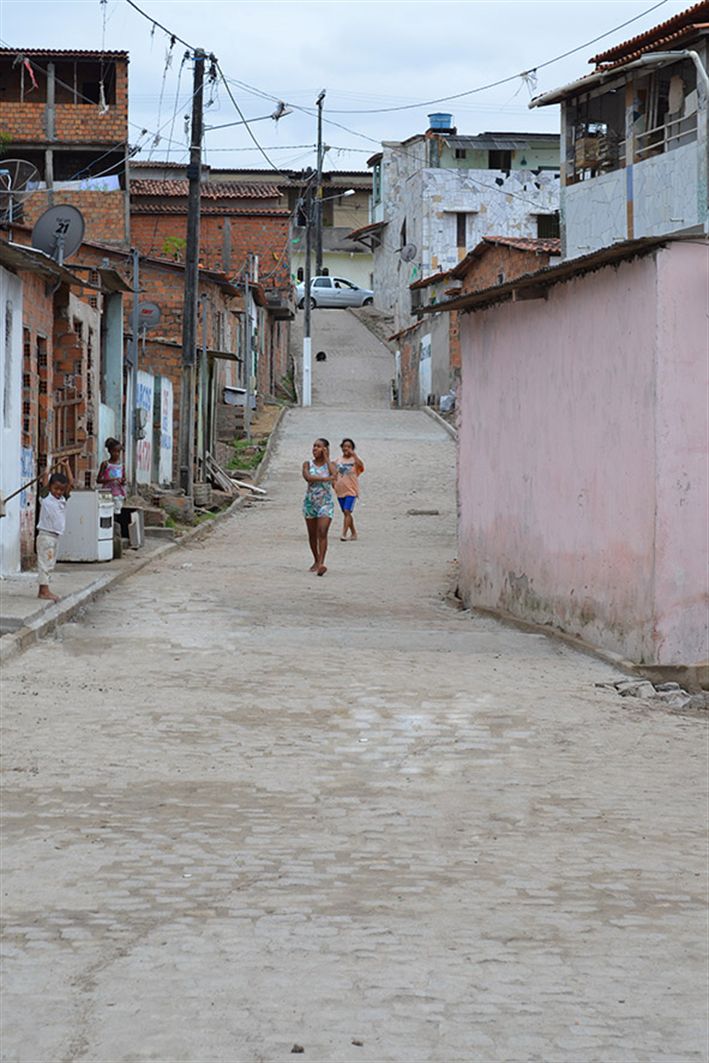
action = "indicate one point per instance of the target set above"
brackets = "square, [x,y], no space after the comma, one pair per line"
[503,81]
[231,96]
[155,22]
[525,74]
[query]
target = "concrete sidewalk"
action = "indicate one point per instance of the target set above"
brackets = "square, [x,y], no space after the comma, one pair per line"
[24,618]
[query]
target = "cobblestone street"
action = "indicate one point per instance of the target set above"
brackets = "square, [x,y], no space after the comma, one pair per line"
[248,809]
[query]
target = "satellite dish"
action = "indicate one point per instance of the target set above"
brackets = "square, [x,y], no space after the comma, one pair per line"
[408,252]
[59,232]
[16,176]
[148,315]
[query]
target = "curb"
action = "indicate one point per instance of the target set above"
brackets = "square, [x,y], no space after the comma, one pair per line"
[452,432]
[14,644]
[272,440]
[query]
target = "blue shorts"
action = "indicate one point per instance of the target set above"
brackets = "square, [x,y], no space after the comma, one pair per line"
[347,503]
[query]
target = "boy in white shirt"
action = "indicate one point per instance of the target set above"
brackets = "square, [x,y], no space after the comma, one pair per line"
[51,524]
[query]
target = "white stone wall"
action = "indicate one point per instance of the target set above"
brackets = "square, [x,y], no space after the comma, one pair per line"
[594,213]
[666,199]
[497,204]
[666,194]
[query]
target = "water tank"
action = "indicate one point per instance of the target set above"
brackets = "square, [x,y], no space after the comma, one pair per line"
[440,121]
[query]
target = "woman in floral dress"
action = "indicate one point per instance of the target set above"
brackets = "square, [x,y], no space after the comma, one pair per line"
[318,506]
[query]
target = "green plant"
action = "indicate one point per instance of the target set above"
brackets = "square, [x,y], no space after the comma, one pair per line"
[247,453]
[174,247]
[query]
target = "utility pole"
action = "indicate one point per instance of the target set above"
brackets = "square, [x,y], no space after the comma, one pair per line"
[306,389]
[248,355]
[318,203]
[131,398]
[189,314]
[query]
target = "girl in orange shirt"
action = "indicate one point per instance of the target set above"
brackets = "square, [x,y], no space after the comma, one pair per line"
[349,469]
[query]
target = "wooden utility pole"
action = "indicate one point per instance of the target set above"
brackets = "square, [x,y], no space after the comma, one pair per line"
[189,313]
[318,193]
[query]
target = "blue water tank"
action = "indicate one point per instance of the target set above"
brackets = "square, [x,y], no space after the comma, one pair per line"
[439,120]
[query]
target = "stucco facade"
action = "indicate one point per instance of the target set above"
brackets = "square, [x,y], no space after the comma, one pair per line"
[583,457]
[442,206]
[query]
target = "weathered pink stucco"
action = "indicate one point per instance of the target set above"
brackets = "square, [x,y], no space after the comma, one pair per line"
[583,457]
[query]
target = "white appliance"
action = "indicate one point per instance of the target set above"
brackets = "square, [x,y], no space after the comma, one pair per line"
[89,527]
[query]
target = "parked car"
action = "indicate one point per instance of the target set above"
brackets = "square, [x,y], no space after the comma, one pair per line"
[334,292]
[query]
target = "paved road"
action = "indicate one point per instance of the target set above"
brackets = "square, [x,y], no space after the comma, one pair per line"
[247,808]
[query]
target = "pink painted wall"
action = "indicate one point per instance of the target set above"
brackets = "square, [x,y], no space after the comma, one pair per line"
[682,443]
[573,422]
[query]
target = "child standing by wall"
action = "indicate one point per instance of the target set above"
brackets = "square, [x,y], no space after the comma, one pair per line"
[112,474]
[52,521]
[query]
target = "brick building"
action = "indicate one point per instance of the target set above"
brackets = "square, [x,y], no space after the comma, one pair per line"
[66,113]
[428,356]
[68,327]
[237,219]
[219,333]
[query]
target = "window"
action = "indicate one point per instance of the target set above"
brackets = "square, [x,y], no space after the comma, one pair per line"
[402,234]
[460,230]
[499,160]
[340,282]
[301,273]
[321,282]
[461,153]
[548,226]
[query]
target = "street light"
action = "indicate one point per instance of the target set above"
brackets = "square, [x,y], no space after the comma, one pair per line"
[306,202]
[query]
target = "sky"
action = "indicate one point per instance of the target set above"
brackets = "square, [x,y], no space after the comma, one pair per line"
[367,54]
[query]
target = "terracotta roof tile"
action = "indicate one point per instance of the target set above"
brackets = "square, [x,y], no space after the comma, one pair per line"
[210,189]
[550,245]
[676,26]
[209,208]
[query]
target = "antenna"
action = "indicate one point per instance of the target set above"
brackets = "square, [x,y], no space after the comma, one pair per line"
[408,252]
[16,176]
[59,232]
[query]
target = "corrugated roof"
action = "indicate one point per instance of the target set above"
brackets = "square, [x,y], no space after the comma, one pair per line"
[550,275]
[63,53]
[500,141]
[432,278]
[210,189]
[30,259]
[533,245]
[367,230]
[677,25]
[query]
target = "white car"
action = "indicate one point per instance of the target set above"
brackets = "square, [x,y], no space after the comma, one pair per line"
[334,292]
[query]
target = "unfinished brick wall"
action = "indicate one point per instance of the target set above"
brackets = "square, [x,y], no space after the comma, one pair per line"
[498,261]
[409,345]
[61,359]
[225,242]
[28,121]
[37,387]
[105,213]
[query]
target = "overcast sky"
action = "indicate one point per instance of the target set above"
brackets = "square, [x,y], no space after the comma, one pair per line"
[367,54]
